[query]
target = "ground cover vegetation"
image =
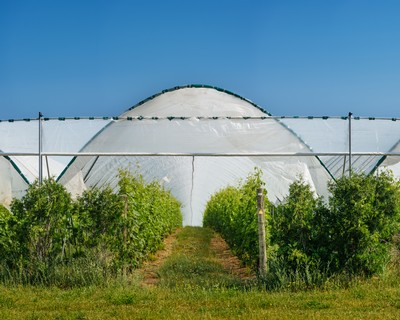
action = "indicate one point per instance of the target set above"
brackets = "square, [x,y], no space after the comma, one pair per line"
[199,288]
[75,259]
[193,264]
[315,243]
[47,238]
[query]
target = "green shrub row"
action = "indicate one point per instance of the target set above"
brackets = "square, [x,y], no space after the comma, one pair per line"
[311,239]
[47,238]
[152,213]
[232,213]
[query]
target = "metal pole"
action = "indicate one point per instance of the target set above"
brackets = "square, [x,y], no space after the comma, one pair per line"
[350,114]
[190,154]
[40,150]
[47,166]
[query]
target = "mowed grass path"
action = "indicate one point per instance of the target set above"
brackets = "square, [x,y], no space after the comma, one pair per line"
[193,285]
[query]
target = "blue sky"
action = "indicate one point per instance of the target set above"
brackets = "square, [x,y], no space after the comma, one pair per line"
[98,58]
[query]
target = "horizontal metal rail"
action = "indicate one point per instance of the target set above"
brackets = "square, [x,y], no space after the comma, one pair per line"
[202,154]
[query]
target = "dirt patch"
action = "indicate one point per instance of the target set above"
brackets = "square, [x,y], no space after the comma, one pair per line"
[150,267]
[223,255]
[228,260]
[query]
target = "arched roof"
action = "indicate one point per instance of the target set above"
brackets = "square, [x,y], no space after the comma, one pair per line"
[196,139]
[198,86]
[196,120]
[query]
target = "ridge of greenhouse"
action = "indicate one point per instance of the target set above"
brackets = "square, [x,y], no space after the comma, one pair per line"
[179,117]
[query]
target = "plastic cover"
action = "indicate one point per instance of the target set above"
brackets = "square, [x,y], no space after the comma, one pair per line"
[215,138]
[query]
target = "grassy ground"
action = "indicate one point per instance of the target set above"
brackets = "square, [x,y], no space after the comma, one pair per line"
[194,286]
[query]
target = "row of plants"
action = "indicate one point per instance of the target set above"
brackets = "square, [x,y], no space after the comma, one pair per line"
[314,240]
[48,238]
[232,213]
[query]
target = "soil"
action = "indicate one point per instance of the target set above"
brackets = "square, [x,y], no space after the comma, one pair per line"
[228,260]
[149,268]
[223,255]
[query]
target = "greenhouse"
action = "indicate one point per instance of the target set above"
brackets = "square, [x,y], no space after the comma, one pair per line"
[194,140]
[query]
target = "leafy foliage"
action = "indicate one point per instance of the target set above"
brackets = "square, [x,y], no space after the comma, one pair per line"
[49,239]
[312,241]
[151,214]
[350,234]
[295,227]
[6,234]
[363,216]
[233,213]
[42,222]
[98,217]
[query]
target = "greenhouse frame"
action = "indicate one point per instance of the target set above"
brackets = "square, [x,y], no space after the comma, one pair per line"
[194,140]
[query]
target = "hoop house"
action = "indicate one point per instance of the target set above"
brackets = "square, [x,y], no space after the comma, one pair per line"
[195,140]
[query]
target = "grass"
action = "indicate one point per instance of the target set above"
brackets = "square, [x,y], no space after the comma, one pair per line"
[193,286]
[193,264]
[134,302]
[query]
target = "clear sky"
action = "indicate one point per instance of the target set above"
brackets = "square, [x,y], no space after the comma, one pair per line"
[298,57]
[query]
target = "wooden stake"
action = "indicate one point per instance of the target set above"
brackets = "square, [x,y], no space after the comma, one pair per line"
[262,267]
[124,230]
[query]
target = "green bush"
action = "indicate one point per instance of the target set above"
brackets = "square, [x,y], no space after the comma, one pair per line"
[312,241]
[42,222]
[49,239]
[363,217]
[151,214]
[295,227]
[232,212]
[6,234]
[351,234]
[98,218]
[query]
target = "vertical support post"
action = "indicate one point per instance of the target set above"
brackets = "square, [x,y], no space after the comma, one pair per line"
[262,268]
[47,166]
[40,150]
[124,230]
[350,114]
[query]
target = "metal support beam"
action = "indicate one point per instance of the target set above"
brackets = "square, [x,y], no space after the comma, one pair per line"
[40,150]
[350,114]
[199,154]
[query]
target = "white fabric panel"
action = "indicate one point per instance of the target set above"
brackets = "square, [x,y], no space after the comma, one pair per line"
[374,135]
[29,166]
[196,135]
[19,136]
[76,186]
[391,161]
[322,135]
[69,135]
[11,183]
[332,135]
[5,182]
[394,167]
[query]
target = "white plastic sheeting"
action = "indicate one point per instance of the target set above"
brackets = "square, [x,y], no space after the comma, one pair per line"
[332,135]
[57,136]
[22,137]
[194,179]
[212,137]
[12,184]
